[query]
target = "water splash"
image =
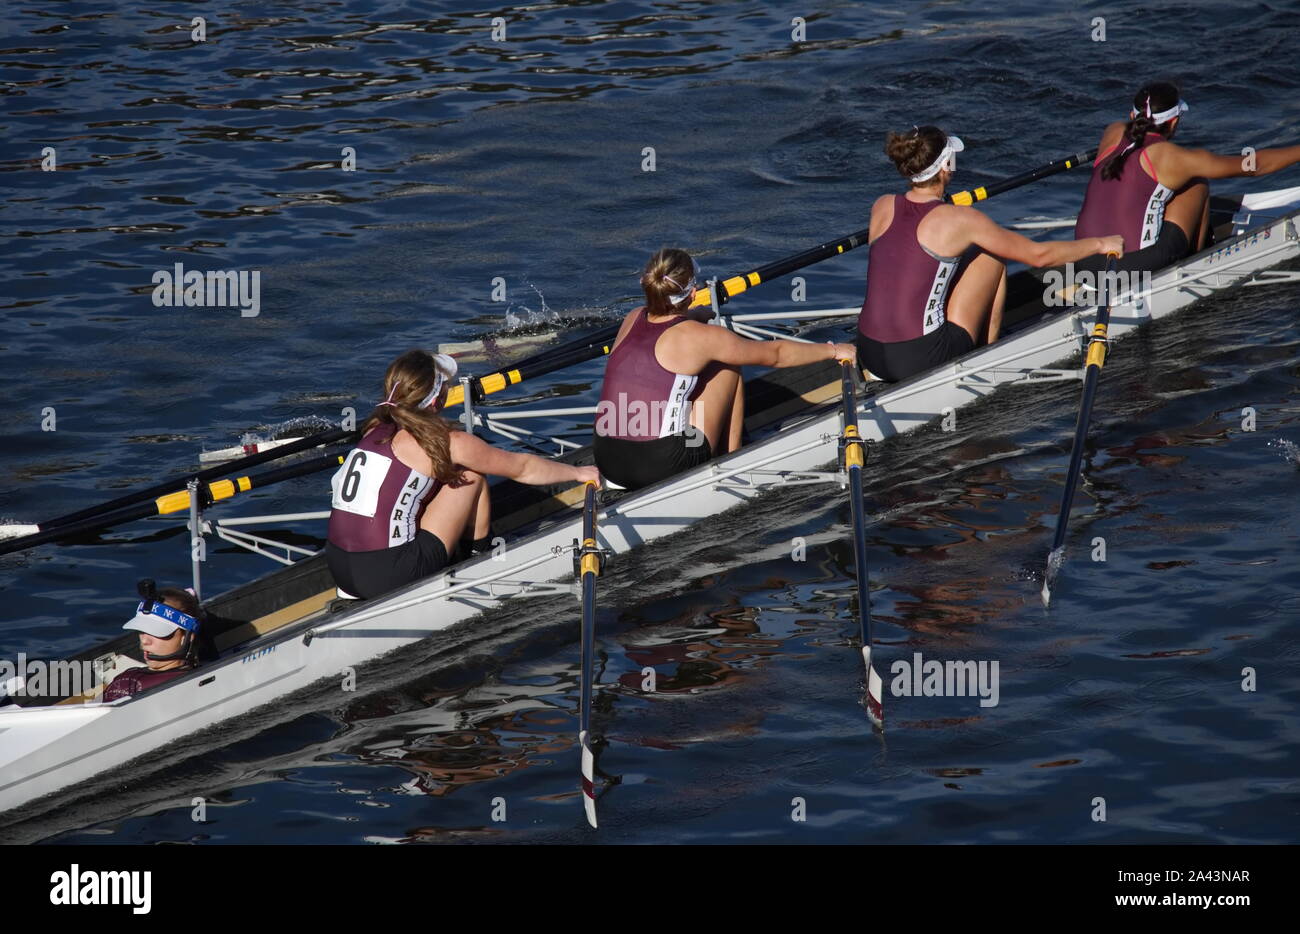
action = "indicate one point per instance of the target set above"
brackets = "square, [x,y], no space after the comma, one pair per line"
[1289,450]
[525,315]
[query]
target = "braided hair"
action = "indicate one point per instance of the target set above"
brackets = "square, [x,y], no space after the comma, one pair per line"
[1152,98]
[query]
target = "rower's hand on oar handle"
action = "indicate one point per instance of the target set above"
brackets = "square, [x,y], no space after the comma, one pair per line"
[1111,246]
[843,353]
[588,475]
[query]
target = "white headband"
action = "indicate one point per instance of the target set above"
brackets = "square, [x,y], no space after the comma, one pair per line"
[446,369]
[947,160]
[1165,115]
[685,293]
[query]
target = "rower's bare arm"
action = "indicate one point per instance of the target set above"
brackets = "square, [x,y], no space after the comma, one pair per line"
[1178,166]
[477,455]
[693,346]
[1010,245]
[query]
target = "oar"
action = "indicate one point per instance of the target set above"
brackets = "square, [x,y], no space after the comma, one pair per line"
[854,458]
[1024,178]
[175,501]
[566,355]
[167,486]
[1095,361]
[589,568]
[601,342]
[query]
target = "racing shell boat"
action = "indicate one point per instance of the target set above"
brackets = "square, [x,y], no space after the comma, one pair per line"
[288,630]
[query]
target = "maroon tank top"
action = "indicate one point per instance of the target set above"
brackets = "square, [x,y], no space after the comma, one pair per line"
[137,680]
[377,499]
[639,399]
[1132,205]
[907,285]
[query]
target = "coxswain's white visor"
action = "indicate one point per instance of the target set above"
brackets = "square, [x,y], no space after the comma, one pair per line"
[446,370]
[947,160]
[160,620]
[1165,115]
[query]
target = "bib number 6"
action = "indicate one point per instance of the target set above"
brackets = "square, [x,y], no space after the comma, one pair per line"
[356,484]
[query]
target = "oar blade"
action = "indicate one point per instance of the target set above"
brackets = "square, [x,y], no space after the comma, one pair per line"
[875,699]
[16,530]
[588,777]
[1055,558]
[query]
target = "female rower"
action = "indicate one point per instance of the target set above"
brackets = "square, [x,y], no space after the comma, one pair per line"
[936,276]
[1153,190]
[412,488]
[168,621]
[672,396]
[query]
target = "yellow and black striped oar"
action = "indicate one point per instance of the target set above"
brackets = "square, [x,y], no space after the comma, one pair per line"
[1024,178]
[854,450]
[176,501]
[590,561]
[1095,361]
[602,341]
[333,436]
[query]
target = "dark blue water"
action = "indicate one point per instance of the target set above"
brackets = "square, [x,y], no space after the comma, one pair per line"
[522,159]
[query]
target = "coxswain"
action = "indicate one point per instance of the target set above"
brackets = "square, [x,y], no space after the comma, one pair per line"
[169,623]
[672,397]
[1153,191]
[414,487]
[936,272]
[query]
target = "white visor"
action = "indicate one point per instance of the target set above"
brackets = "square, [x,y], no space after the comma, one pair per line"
[155,626]
[947,160]
[1166,115]
[447,370]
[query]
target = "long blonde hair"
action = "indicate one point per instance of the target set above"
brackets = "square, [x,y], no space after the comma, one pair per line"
[410,378]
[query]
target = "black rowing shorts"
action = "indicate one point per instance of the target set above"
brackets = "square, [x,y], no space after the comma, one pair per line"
[1169,248]
[368,574]
[636,464]
[901,359]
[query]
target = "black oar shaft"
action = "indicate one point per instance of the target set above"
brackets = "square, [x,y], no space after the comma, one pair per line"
[210,473]
[589,568]
[1090,379]
[173,502]
[854,460]
[730,288]
[1096,359]
[1024,178]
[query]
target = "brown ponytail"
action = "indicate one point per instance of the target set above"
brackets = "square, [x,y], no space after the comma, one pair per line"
[410,378]
[1151,99]
[669,273]
[915,151]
